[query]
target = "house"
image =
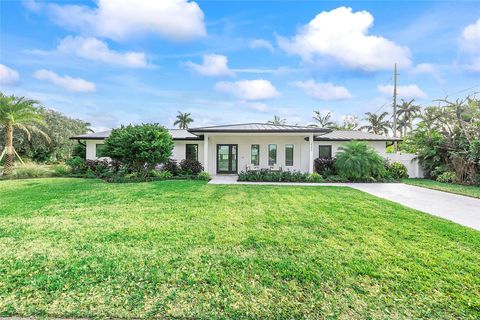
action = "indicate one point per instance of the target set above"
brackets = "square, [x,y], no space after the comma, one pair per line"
[229,149]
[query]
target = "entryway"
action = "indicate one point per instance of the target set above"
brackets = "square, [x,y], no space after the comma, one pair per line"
[227,159]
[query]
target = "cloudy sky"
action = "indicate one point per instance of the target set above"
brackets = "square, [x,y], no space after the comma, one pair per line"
[131,61]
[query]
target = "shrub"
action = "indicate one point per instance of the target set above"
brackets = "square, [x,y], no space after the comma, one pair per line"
[204,176]
[76,164]
[273,176]
[32,171]
[396,170]
[447,177]
[97,168]
[140,148]
[315,177]
[61,170]
[190,166]
[171,166]
[359,162]
[325,166]
[161,175]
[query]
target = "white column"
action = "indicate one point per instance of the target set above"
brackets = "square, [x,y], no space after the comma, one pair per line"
[205,152]
[310,159]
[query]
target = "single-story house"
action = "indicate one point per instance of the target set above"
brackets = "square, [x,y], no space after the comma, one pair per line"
[229,149]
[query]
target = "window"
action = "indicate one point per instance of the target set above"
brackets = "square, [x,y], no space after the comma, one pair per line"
[255,154]
[99,150]
[272,154]
[324,151]
[289,154]
[191,151]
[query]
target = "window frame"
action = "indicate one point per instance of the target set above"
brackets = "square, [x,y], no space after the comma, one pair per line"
[186,150]
[325,146]
[97,145]
[287,164]
[276,154]
[257,163]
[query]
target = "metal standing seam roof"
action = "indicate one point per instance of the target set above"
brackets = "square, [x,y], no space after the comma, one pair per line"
[345,135]
[177,134]
[258,127]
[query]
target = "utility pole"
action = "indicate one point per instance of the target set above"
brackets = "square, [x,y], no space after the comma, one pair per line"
[395,146]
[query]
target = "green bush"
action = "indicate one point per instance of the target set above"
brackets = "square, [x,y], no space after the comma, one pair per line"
[359,162]
[273,176]
[204,176]
[191,167]
[139,148]
[325,166]
[32,171]
[448,177]
[161,175]
[77,165]
[395,171]
[171,166]
[315,177]
[60,170]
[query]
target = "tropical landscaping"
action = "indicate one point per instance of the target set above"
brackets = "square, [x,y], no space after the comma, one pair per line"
[469,191]
[83,248]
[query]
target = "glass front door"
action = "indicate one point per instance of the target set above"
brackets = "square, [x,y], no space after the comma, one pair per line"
[227,158]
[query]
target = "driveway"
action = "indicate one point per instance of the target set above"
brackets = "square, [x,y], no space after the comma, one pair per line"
[460,209]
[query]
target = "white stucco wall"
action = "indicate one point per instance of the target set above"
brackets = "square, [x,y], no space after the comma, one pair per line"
[91,148]
[410,161]
[379,146]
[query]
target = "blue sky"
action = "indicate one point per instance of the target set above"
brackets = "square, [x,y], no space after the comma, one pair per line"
[132,61]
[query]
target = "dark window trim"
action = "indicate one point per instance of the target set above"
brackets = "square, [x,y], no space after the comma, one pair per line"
[293,154]
[276,154]
[258,154]
[191,144]
[96,149]
[325,145]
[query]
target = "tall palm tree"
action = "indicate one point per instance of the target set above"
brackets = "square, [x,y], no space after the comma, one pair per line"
[277,120]
[407,112]
[323,120]
[20,113]
[183,120]
[377,123]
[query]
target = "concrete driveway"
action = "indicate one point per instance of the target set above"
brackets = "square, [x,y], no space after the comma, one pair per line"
[460,209]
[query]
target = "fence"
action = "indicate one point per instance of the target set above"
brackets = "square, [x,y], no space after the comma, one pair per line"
[410,161]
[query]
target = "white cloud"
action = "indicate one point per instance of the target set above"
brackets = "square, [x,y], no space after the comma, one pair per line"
[249,89]
[8,76]
[343,35]
[428,68]
[120,19]
[66,82]
[261,44]
[323,91]
[213,65]
[257,106]
[94,49]
[32,5]
[408,91]
[470,43]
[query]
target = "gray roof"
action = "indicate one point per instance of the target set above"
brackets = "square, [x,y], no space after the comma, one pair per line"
[177,134]
[258,127]
[345,135]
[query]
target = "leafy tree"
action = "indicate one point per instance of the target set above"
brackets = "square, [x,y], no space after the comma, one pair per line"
[359,162]
[407,112]
[183,120]
[323,121]
[377,123]
[349,123]
[19,113]
[140,148]
[277,120]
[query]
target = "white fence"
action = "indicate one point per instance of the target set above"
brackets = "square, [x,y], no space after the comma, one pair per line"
[410,161]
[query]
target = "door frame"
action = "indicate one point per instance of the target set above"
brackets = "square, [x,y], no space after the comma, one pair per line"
[230,171]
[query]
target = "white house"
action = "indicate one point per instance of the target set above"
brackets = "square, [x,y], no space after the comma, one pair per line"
[229,149]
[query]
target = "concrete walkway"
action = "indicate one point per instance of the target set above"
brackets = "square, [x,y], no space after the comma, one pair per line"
[460,209]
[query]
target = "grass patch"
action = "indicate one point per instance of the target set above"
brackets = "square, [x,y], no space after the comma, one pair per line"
[86,248]
[469,191]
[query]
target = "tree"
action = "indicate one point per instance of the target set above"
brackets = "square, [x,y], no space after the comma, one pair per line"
[377,123]
[323,121]
[19,113]
[349,123]
[407,112]
[277,120]
[359,162]
[183,120]
[140,148]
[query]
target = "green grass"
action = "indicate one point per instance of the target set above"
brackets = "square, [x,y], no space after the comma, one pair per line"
[469,191]
[185,249]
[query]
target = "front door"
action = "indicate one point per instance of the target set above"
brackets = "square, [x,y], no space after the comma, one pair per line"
[227,161]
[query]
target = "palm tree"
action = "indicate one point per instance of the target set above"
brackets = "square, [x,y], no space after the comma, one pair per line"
[183,120]
[349,123]
[277,120]
[377,123]
[323,120]
[407,112]
[20,113]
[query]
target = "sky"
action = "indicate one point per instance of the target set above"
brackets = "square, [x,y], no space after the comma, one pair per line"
[132,61]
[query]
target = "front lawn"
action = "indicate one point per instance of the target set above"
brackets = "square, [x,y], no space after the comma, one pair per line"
[85,248]
[469,191]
